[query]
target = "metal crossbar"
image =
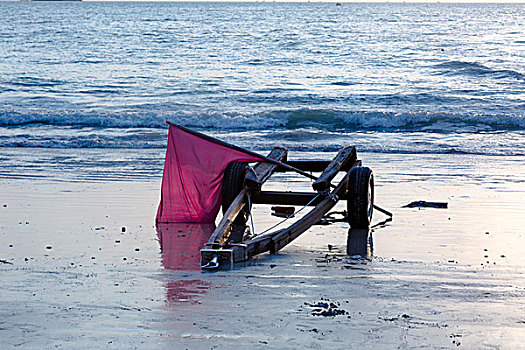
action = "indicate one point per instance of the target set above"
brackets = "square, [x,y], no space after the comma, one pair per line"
[288,217]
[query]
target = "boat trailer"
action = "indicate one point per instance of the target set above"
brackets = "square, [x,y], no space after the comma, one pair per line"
[232,241]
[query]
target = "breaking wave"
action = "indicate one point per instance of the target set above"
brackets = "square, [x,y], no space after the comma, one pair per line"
[322,119]
[315,130]
[477,70]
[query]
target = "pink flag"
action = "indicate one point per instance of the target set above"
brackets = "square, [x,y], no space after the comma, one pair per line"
[192,178]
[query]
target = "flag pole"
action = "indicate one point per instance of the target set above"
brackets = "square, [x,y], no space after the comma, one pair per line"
[240,149]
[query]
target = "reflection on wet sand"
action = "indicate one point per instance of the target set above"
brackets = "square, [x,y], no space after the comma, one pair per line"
[360,242]
[186,291]
[180,245]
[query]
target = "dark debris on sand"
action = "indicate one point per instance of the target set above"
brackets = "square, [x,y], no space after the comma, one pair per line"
[326,308]
[425,204]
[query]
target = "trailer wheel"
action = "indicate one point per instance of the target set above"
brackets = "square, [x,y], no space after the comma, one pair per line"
[360,197]
[232,184]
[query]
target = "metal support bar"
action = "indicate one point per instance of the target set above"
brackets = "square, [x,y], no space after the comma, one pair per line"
[345,157]
[230,215]
[285,198]
[384,211]
[306,165]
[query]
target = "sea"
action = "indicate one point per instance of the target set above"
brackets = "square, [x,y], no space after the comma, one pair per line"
[404,78]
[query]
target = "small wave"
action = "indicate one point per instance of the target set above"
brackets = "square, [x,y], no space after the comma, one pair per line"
[301,139]
[82,142]
[476,70]
[25,81]
[342,83]
[322,119]
[392,121]
[79,119]
[313,130]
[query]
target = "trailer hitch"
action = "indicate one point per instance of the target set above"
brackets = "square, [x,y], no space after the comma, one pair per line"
[223,256]
[212,264]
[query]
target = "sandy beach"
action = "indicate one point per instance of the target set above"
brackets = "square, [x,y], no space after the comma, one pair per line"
[82,265]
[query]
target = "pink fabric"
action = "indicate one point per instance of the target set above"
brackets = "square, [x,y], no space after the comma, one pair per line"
[192,178]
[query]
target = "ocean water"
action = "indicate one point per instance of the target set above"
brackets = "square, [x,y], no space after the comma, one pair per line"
[391,78]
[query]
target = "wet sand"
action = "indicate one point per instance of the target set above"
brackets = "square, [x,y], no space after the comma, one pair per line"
[82,266]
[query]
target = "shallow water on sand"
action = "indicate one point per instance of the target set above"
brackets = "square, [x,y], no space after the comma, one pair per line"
[73,277]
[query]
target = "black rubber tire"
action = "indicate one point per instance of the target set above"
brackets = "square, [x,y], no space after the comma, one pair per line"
[360,197]
[232,184]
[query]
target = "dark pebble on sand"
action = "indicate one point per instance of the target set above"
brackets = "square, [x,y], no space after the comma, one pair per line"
[391,319]
[326,309]
[123,229]
[323,305]
[330,313]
